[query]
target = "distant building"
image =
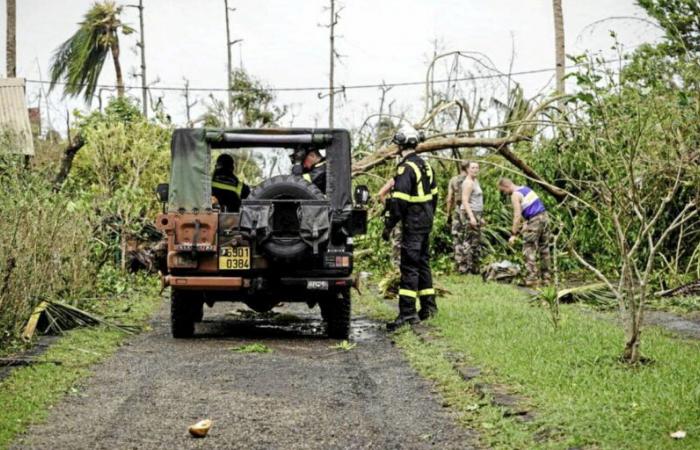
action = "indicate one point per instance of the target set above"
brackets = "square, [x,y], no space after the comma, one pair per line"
[15,127]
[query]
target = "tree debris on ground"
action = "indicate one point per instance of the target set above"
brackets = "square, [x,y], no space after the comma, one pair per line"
[53,317]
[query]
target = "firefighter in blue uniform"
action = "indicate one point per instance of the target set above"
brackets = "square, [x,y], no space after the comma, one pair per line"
[413,202]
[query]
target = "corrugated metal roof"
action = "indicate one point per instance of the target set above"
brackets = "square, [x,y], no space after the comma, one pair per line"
[14,117]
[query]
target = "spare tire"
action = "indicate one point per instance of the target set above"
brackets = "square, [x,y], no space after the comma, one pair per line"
[285,245]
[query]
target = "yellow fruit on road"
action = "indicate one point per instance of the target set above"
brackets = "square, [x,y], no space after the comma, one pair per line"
[201,428]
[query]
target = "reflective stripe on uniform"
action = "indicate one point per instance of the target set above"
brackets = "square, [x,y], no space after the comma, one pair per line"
[424,292]
[228,187]
[408,293]
[421,196]
[307,177]
[412,198]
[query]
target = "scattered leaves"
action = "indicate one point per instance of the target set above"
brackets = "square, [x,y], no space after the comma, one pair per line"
[255,347]
[344,346]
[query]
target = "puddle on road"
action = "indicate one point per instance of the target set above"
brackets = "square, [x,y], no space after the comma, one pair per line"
[287,322]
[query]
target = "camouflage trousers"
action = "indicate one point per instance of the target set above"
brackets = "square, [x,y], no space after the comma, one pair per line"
[395,240]
[536,241]
[467,242]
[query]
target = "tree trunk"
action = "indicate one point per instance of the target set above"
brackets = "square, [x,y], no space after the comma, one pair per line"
[500,144]
[559,47]
[11,45]
[67,162]
[117,67]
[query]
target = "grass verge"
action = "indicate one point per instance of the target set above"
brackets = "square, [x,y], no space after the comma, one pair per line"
[582,395]
[28,393]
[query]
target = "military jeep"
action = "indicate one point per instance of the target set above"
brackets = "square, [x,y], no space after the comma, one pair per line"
[289,242]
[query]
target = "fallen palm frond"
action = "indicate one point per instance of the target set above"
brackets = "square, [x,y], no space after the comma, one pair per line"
[688,289]
[596,294]
[17,361]
[53,317]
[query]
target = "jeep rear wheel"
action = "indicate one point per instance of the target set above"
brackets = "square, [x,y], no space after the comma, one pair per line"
[336,312]
[184,312]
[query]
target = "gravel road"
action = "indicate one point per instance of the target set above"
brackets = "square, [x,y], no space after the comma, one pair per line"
[302,394]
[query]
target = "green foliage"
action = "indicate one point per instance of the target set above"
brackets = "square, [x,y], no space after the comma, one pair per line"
[252,105]
[680,19]
[123,159]
[79,59]
[46,248]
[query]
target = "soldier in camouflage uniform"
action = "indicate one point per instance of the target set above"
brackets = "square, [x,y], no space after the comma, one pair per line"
[454,212]
[535,231]
[467,217]
[472,211]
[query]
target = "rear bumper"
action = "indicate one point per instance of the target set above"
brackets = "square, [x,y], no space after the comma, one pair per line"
[204,283]
[253,285]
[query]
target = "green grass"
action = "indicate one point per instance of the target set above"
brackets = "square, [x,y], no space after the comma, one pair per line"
[28,393]
[255,347]
[583,396]
[344,346]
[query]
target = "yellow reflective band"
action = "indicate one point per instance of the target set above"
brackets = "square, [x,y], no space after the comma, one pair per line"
[408,293]
[421,196]
[228,187]
[424,292]
[307,177]
[434,191]
[412,198]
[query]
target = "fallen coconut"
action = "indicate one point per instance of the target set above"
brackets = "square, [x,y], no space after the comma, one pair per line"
[201,428]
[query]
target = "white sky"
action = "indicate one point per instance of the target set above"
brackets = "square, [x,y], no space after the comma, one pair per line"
[284,45]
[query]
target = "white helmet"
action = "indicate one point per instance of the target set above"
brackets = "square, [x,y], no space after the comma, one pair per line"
[407,136]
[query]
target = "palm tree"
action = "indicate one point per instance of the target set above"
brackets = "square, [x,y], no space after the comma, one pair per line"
[79,60]
[559,45]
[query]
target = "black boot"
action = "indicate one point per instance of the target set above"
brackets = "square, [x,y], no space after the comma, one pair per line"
[428,307]
[407,314]
[401,321]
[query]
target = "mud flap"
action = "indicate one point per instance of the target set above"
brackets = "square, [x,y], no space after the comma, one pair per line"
[314,224]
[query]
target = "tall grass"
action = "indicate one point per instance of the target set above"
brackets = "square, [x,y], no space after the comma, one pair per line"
[44,245]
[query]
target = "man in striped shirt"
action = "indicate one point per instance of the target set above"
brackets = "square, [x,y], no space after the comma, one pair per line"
[529,207]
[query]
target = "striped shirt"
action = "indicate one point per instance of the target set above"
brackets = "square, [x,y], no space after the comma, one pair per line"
[531,204]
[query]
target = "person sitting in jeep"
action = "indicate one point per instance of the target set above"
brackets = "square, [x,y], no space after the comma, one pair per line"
[226,187]
[312,168]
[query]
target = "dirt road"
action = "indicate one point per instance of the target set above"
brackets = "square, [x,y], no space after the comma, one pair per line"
[301,395]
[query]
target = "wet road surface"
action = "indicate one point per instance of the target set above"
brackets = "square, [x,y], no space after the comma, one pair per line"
[302,395]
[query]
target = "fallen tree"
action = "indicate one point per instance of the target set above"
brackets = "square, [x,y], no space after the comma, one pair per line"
[522,130]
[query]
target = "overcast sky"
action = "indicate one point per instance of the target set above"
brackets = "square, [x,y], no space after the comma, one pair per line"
[286,46]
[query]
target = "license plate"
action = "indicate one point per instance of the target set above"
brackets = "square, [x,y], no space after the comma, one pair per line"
[234,258]
[316,285]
